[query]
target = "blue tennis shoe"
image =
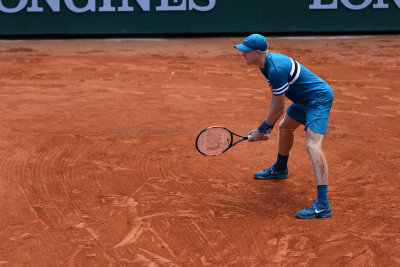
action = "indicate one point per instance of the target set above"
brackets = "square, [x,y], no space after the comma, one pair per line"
[271,174]
[315,211]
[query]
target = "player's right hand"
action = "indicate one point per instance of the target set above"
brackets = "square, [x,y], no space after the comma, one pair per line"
[255,135]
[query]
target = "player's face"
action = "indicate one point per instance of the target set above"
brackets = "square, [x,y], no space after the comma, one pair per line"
[251,57]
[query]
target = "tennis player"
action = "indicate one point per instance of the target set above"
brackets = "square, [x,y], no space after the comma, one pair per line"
[312,101]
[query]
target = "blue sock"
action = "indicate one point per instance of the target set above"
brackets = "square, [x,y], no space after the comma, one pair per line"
[322,194]
[281,163]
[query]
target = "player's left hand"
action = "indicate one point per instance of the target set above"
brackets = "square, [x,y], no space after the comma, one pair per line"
[255,135]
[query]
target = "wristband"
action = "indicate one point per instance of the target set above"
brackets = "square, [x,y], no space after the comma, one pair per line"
[264,127]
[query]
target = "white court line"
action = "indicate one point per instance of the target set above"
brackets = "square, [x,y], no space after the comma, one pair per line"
[315,37]
[325,37]
[116,40]
[133,39]
[11,41]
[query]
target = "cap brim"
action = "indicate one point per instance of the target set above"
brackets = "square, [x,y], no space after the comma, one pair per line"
[243,48]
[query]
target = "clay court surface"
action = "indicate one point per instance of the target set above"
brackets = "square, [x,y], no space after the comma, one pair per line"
[98,165]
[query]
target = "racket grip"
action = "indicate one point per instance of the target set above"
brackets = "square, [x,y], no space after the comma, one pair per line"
[248,137]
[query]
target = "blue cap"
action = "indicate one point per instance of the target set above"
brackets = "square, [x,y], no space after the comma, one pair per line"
[253,42]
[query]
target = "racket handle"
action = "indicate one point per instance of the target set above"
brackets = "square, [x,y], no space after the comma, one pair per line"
[247,137]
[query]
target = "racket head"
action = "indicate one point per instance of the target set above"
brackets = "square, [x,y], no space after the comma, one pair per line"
[214,140]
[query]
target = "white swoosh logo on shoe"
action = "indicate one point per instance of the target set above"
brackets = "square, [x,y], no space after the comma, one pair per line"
[319,211]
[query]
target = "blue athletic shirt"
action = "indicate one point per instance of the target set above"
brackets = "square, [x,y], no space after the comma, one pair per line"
[300,85]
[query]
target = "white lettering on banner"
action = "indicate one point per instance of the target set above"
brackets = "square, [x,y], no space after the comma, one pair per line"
[182,5]
[91,6]
[349,5]
[19,7]
[317,4]
[106,6]
[381,4]
[166,7]
[125,7]
[144,4]
[53,4]
[211,5]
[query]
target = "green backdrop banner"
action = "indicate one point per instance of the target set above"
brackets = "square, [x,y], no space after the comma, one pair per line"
[196,16]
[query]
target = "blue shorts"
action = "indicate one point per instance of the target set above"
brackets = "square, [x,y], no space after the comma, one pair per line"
[314,114]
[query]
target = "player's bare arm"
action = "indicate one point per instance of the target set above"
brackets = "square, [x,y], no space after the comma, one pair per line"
[277,108]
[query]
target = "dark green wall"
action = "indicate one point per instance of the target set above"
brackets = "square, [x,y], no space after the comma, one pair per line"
[228,16]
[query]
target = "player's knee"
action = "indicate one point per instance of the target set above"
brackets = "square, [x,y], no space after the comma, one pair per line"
[313,147]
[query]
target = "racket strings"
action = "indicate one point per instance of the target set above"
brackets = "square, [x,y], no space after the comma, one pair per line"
[214,141]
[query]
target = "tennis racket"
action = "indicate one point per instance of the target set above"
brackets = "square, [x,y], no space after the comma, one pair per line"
[216,140]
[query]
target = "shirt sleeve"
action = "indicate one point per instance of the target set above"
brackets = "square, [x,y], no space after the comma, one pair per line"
[279,82]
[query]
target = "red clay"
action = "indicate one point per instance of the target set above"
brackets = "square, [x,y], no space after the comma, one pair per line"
[98,164]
